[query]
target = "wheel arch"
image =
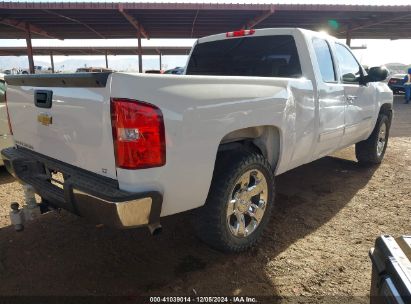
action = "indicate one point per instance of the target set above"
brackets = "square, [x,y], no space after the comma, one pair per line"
[265,140]
[386,108]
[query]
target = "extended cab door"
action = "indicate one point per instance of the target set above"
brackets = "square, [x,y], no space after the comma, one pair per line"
[359,98]
[331,100]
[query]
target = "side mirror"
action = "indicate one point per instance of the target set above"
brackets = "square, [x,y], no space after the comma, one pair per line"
[349,77]
[377,74]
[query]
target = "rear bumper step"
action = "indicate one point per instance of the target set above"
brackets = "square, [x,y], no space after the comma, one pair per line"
[83,193]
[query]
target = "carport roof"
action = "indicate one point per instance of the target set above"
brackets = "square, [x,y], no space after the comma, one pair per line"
[85,50]
[64,20]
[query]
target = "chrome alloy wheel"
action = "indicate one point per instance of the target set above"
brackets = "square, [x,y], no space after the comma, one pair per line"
[381,139]
[247,203]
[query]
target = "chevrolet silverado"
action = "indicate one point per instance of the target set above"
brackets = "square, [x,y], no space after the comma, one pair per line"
[127,149]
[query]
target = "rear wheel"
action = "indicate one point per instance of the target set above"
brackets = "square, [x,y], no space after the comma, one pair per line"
[372,150]
[239,203]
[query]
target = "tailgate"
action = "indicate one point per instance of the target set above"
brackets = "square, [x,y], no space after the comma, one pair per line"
[64,116]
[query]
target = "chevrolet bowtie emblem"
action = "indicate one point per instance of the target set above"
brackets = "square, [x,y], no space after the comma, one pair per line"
[45,119]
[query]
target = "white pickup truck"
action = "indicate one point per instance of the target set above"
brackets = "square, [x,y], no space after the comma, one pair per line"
[126,149]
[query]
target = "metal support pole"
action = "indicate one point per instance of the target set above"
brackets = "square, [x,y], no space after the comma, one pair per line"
[106,60]
[29,49]
[52,62]
[160,56]
[348,38]
[140,54]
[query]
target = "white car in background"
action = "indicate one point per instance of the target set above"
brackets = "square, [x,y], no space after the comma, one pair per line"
[5,136]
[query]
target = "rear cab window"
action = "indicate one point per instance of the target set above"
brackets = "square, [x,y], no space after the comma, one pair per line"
[262,56]
[324,60]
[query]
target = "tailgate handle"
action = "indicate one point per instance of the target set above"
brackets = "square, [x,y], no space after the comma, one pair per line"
[43,98]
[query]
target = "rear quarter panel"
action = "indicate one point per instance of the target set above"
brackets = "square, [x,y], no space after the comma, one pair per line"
[198,112]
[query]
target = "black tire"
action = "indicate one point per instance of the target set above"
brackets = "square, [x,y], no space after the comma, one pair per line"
[212,222]
[367,151]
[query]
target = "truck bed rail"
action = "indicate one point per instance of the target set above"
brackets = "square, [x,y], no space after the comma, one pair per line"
[76,80]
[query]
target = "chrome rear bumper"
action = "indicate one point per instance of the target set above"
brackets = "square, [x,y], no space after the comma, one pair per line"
[86,194]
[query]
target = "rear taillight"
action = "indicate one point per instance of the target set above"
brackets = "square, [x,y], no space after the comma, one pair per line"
[240,33]
[138,133]
[8,115]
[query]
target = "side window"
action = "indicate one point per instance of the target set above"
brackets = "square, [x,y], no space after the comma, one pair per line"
[324,60]
[349,67]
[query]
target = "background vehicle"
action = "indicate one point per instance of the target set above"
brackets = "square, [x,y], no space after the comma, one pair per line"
[5,136]
[254,104]
[38,69]
[176,71]
[13,71]
[396,83]
[153,72]
[93,70]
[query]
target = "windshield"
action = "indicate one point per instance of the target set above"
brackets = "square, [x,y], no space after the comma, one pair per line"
[264,56]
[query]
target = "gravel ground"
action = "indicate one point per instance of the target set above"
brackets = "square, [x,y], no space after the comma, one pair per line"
[328,215]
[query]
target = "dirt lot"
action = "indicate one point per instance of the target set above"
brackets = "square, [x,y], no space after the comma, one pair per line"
[327,217]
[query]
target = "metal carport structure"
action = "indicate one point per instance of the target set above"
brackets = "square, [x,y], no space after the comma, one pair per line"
[65,20]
